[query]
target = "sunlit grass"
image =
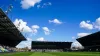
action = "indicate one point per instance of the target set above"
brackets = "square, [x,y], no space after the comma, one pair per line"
[51,54]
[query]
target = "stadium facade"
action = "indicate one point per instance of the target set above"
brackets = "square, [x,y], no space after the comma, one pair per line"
[9,34]
[51,45]
[90,42]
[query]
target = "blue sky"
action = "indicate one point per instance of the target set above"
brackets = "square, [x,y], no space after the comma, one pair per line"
[63,20]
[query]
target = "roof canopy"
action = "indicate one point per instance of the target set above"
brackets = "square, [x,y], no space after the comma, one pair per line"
[90,40]
[8,31]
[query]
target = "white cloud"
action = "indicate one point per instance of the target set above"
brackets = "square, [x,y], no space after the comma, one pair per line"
[35,29]
[38,6]
[25,4]
[49,3]
[29,39]
[44,5]
[22,26]
[40,39]
[56,21]
[86,25]
[88,21]
[94,25]
[77,45]
[97,24]
[82,34]
[98,21]
[73,38]
[46,30]
[25,43]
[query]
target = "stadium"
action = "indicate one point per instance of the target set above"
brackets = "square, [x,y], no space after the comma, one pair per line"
[11,36]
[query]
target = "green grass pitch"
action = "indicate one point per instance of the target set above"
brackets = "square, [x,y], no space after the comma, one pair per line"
[51,54]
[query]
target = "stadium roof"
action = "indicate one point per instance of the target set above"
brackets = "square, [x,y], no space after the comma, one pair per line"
[90,40]
[8,30]
[51,41]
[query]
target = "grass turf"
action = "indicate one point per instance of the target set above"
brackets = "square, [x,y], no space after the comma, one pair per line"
[51,54]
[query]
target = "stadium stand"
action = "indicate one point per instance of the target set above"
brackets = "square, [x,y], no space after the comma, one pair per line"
[51,46]
[10,36]
[90,42]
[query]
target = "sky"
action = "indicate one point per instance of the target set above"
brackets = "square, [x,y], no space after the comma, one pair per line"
[54,20]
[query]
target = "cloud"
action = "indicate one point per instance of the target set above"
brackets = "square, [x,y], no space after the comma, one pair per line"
[40,39]
[47,4]
[82,34]
[97,24]
[44,5]
[56,21]
[26,4]
[77,45]
[35,29]
[73,38]
[98,21]
[46,30]
[25,43]
[88,21]
[93,25]
[29,39]
[22,26]
[38,6]
[86,25]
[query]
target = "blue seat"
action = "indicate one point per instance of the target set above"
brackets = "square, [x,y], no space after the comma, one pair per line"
[0,51]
